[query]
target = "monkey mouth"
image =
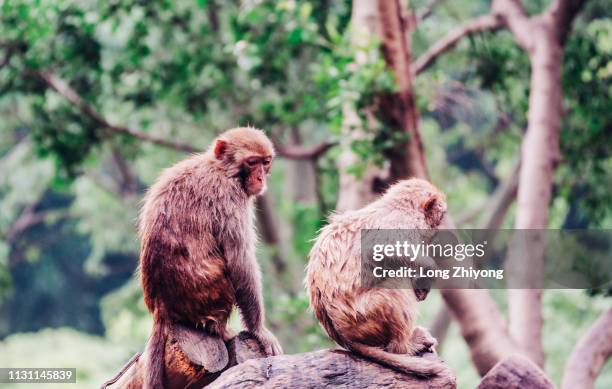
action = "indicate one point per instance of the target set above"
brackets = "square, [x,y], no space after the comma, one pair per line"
[421,294]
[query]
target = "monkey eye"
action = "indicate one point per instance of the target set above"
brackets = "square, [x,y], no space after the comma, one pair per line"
[266,162]
[252,162]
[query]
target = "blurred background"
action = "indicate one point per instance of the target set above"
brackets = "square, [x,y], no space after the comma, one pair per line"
[96,97]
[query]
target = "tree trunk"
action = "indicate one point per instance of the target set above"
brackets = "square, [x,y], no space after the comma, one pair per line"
[542,37]
[481,324]
[589,355]
[266,224]
[407,157]
[324,369]
[195,360]
[540,154]
[300,182]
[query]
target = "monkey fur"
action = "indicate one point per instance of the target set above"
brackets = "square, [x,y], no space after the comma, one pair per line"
[198,241]
[378,324]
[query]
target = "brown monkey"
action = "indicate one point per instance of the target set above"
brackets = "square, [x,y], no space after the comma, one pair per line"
[198,240]
[375,323]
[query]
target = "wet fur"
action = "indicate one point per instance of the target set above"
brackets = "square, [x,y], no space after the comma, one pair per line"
[378,324]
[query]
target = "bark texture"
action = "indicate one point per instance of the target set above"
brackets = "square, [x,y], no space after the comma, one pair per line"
[324,369]
[195,360]
[516,372]
[480,24]
[268,230]
[407,157]
[542,37]
[482,326]
[589,355]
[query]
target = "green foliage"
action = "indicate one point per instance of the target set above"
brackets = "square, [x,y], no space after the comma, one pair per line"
[500,66]
[585,139]
[120,213]
[96,359]
[5,277]
[306,221]
[125,316]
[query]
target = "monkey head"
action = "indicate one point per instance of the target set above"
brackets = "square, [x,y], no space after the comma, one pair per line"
[418,196]
[424,207]
[246,153]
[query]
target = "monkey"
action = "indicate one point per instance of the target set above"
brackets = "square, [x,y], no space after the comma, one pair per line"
[197,251]
[378,324]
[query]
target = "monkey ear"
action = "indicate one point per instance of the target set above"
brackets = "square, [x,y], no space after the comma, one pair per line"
[434,209]
[220,148]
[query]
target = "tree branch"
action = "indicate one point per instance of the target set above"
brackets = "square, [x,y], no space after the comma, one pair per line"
[62,87]
[303,152]
[194,359]
[406,158]
[514,17]
[562,13]
[426,11]
[10,47]
[326,369]
[589,355]
[128,185]
[502,198]
[269,231]
[7,58]
[541,36]
[482,325]
[26,219]
[482,23]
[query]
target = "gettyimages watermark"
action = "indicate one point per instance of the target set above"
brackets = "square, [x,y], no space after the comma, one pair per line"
[492,259]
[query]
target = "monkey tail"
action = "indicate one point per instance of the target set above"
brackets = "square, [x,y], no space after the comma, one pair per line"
[403,363]
[157,344]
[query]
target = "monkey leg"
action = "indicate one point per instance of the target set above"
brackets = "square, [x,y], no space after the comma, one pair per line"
[422,336]
[400,344]
[419,342]
[422,341]
[219,329]
[378,318]
[399,309]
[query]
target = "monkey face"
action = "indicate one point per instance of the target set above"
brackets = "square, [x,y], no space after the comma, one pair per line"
[245,153]
[254,174]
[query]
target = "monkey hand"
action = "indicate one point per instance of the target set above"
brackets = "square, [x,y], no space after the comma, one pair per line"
[269,342]
[422,341]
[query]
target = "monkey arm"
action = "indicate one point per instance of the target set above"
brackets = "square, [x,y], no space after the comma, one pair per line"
[245,276]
